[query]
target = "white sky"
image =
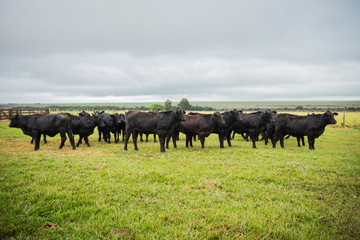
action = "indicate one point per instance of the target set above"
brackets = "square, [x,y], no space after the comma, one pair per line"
[204,50]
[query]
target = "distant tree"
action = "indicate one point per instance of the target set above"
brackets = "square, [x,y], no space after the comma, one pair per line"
[184,104]
[156,106]
[299,108]
[168,105]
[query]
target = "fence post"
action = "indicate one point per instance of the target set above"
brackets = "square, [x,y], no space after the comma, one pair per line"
[47,111]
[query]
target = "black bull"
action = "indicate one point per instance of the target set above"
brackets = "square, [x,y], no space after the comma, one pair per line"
[161,123]
[47,124]
[311,126]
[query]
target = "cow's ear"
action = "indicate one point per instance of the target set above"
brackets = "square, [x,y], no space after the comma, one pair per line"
[335,113]
[184,112]
[102,112]
[274,112]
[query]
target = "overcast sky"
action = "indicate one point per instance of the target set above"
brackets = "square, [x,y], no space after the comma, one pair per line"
[203,50]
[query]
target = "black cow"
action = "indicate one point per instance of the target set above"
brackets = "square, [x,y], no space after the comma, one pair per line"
[252,124]
[224,131]
[118,125]
[311,126]
[50,125]
[161,123]
[243,134]
[200,124]
[106,129]
[269,130]
[84,125]
[29,133]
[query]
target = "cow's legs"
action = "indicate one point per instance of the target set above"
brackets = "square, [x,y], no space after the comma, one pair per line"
[303,141]
[272,139]
[128,133]
[44,138]
[87,141]
[154,138]
[135,135]
[246,137]
[187,140]
[115,138]
[253,139]
[276,138]
[99,135]
[162,142]
[167,142]
[71,137]
[80,141]
[202,140]
[63,138]
[298,141]
[191,140]
[174,137]
[221,140]
[266,140]
[228,138]
[282,142]
[108,136]
[311,141]
[36,136]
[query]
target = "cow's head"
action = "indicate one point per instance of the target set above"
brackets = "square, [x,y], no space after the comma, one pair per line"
[273,116]
[98,120]
[267,116]
[14,121]
[122,117]
[179,114]
[116,118]
[97,113]
[236,115]
[329,118]
[84,114]
[218,118]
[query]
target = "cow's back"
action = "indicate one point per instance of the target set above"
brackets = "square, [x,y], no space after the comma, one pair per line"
[51,124]
[140,121]
[292,124]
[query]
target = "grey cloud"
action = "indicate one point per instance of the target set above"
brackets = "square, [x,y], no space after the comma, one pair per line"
[156,50]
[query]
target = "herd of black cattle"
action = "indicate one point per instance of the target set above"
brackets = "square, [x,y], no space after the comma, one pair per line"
[168,124]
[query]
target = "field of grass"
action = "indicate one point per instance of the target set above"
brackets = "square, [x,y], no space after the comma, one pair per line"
[104,192]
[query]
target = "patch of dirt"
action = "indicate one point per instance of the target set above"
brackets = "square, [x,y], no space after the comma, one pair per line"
[48,225]
[122,232]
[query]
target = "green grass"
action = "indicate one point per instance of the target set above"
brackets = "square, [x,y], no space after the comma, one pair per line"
[104,192]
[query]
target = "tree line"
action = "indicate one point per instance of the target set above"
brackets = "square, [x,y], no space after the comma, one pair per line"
[184,104]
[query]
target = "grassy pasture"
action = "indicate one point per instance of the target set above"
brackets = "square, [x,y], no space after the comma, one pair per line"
[104,192]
